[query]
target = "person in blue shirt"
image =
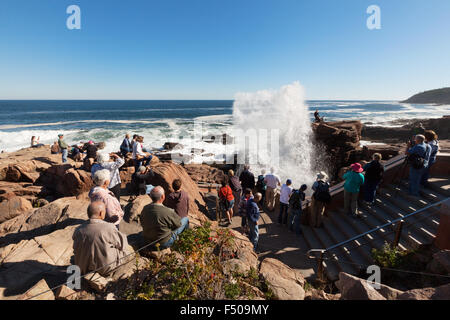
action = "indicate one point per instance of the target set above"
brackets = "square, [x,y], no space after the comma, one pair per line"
[252,219]
[354,179]
[420,151]
[126,147]
[431,139]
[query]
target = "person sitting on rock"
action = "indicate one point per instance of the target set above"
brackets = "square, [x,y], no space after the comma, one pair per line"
[97,244]
[253,215]
[316,116]
[140,158]
[160,224]
[178,200]
[35,142]
[100,192]
[54,149]
[141,178]
[104,162]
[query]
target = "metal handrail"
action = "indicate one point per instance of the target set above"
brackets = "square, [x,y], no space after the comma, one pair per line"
[322,251]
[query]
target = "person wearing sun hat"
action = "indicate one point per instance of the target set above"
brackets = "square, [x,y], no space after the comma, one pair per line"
[354,179]
[320,198]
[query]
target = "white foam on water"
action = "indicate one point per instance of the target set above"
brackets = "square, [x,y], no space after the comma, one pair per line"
[283,111]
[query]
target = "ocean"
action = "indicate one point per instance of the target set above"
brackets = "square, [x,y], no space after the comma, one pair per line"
[163,121]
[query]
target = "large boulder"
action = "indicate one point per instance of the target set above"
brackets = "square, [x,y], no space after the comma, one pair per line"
[14,207]
[66,181]
[204,173]
[40,291]
[26,190]
[353,288]
[284,282]
[438,293]
[133,209]
[440,263]
[166,173]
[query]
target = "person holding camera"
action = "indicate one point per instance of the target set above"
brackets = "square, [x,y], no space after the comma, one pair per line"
[418,156]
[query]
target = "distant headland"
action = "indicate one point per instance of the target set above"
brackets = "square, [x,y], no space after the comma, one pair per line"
[437,96]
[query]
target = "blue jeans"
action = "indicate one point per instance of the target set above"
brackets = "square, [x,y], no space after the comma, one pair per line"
[294,220]
[64,155]
[282,217]
[169,243]
[142,162]
[426,174]
[254,233]
[415,175]
[370,190]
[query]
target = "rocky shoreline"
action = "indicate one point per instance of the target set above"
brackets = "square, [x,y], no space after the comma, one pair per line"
[42,202]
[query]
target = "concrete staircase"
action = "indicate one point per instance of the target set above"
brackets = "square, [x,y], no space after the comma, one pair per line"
[392,202]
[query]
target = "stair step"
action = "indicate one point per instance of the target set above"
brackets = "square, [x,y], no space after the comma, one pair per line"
[342,254]
[423,223]
[342,228]
[435,185]
[375,216]
[331,267]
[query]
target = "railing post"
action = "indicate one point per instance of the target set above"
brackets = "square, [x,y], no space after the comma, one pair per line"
[320,270]
[398,233]
[217,206]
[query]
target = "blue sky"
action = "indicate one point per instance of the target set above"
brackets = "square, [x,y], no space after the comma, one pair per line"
[211,49]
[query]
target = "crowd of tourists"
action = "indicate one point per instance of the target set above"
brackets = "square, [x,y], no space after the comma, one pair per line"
[98,242]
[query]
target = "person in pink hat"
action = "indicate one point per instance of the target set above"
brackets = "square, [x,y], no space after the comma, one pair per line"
[354,179]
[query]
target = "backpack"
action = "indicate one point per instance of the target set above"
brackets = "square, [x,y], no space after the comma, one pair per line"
[375,171]
[295,201]
[416,161]
[322,193]
[260,184]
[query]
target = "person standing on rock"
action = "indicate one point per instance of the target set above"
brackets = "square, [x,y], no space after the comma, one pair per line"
[431,139]
[273,182]
[354,179]
[160,223]
[374,174]
[63,147]
[178,200]
[104,162]
[236,187]
[418,156]
[320,198]
[253,215]
[285,194]
[125,147]
[247,178]
[97,244]
[100,192]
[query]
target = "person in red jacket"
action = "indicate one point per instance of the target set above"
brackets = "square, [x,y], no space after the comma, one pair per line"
[227,199]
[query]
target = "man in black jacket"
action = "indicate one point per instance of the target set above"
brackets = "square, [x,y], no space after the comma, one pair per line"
[247,178]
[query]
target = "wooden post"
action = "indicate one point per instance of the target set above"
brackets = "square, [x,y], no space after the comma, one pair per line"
[320,271]
[398,233]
